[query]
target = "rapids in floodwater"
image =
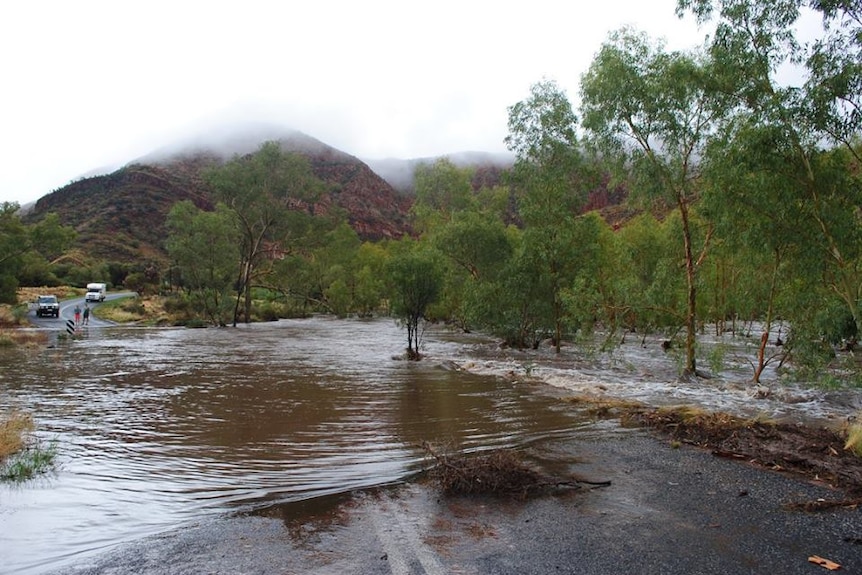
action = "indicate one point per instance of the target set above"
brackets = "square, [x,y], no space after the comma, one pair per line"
[156,428]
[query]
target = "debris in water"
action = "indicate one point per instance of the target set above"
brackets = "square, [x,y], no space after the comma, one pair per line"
[500,472]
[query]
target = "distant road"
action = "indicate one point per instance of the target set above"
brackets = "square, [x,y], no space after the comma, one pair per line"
[67,311]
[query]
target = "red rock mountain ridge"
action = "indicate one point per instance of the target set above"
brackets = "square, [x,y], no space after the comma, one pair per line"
[121,216]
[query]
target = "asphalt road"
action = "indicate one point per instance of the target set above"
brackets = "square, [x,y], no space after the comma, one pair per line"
[666,511]
[67,312]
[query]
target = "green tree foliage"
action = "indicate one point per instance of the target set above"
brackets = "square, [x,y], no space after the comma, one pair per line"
[204,249]
[651,288]
[651,108]
[516,306]
[335,267]
[415,279]
[594,297]
[466,228]
[549,175]
[476,243]
[801,138]
[26,249]
[14,243]
[263,190]
[369,287]
[476,248]
[331,270]
[442,189]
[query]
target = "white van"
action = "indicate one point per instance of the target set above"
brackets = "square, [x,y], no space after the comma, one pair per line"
[96,292]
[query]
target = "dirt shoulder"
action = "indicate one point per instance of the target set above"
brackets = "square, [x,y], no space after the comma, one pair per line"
[670,507]
[816,454]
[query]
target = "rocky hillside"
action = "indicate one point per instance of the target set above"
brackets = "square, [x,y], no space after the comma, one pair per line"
[121,216]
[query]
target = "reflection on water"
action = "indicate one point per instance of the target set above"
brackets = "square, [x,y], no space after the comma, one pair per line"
[158,427]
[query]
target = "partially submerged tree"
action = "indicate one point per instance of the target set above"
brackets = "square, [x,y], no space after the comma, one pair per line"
[549,176]
[651,108]
[415,281]
[802,134]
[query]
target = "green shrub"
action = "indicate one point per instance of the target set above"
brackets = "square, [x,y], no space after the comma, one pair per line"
[133,305]
[268,311]
[21,457]
[177,304]
[28,463]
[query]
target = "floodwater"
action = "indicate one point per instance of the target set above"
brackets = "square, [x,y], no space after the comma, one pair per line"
[157,428]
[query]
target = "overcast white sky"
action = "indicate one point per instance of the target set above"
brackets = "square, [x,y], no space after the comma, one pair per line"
[94,84]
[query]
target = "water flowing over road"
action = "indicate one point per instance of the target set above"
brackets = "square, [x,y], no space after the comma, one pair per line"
[157,428]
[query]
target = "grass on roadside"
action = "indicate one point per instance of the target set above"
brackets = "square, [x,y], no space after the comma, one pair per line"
[15,337]
[14,428]
[854,437]
[21,457]
[11,320]
[146,310]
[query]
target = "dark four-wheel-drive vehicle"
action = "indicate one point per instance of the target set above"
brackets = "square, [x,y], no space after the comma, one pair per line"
[47,305]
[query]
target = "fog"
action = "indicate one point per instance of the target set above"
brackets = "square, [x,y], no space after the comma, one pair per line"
[90,87]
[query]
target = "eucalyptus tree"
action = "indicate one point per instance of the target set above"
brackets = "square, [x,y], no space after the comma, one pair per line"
[515,305]
[803,132]
[593,296]
[204,249]
[476,247]
[14,243]
[24,246]
[415,279]
[444,193]
[651,109]
[338,268]
[369,289]
[263,190]
[646,258]
[550,180]
[442,189]
[320,253]
[752,201]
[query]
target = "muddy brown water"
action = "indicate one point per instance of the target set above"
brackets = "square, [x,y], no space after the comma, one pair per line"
[161,428]
[156,428]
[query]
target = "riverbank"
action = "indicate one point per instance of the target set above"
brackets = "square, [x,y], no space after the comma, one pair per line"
[668,509]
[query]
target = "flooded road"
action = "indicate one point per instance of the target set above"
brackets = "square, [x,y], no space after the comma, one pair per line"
[160,427]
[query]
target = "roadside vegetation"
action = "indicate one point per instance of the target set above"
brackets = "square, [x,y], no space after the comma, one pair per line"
[12,318]
[854,437]
[827,456]
[146,310]
[21,456]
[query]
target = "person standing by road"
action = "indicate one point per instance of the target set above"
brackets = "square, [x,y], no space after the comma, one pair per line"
[77,314]
[86,314]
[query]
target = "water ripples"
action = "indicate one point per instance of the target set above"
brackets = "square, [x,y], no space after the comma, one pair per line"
[160,427]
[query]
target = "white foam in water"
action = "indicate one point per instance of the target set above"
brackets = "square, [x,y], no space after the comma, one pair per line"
[642,371]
